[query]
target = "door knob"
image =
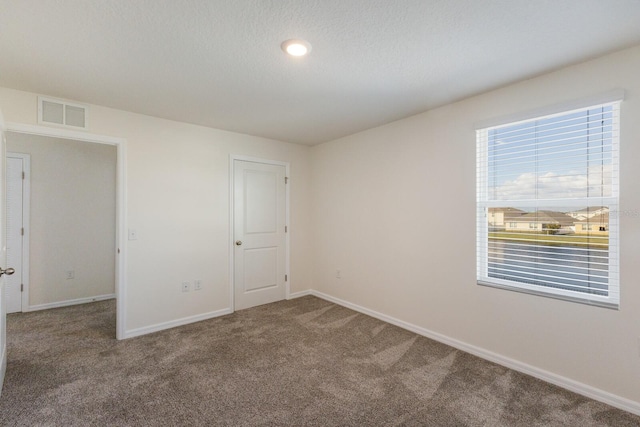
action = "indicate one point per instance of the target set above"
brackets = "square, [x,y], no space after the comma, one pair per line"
[238,243]
[8,271]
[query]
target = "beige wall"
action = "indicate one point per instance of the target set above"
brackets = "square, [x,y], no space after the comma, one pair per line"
[178,201]
[72,227]
[370,205]
[522,226]
[496,219]
[396,214]
[593,229]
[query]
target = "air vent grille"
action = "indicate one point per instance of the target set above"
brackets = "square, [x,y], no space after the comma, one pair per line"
[62,113]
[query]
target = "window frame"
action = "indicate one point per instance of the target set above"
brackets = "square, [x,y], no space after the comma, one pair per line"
[483,204]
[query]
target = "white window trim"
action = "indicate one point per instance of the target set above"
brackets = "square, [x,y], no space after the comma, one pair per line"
[612,301]
[610,97]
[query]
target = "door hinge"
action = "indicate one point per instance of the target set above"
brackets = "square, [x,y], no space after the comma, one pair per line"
[286,277]
[22,175]
[285,229]
[22,231]
[118,250]
[21,287]
[286,179]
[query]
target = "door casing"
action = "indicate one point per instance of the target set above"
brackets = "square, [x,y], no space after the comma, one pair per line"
[120,144]
[232,159]
[3,257]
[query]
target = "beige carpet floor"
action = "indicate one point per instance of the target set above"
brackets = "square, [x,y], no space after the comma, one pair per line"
[305,362]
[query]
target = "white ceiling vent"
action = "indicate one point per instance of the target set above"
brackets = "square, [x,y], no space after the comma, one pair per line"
[62,113]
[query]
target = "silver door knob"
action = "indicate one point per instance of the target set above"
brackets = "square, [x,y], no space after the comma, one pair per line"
[8,271]
[238,242]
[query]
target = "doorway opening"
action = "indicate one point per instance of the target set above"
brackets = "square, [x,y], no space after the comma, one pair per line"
[82,145]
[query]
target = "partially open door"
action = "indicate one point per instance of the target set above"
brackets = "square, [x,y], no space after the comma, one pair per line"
[3,256]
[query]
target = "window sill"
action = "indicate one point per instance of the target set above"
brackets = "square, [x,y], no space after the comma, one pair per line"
[578,300]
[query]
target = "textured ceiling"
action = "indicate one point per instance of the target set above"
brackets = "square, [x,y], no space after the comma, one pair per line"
[218,63]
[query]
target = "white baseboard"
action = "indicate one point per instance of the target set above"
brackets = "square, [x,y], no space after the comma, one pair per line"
[174,323]
[567,383]
[299,294]
[69,302]
[192,319]
[3,366]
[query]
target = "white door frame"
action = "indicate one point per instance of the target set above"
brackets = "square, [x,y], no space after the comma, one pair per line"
[26,212]
[120,144]
[287,283]
[3,296]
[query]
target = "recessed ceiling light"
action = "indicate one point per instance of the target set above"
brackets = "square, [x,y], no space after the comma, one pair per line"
[296,47]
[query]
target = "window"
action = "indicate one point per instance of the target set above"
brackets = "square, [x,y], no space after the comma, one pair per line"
[545,169]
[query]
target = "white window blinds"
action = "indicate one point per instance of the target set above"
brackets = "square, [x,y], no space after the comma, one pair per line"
[547,205]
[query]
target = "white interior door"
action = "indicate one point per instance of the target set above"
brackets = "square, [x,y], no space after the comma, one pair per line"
[3,259]
[16,173]
[259,214]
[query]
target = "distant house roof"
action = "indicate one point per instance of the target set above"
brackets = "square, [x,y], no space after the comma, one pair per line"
[598,219]
[547,217]
[508,212]
[591,210]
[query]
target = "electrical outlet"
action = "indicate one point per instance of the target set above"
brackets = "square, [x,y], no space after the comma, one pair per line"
[338,274]
[197,285]
[70,274]
[186,286]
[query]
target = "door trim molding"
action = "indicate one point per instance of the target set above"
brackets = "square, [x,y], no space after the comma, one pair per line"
[232,159]
[26,224]
[121,199]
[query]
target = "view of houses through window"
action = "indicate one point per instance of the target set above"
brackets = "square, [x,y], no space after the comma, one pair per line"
[570,244]
[547,192]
